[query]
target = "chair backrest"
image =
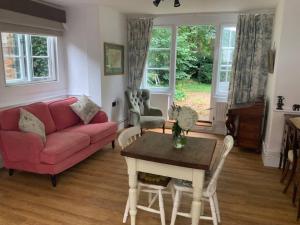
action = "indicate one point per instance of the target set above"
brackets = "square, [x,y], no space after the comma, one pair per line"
[227,147]
[138,100]
[128,136]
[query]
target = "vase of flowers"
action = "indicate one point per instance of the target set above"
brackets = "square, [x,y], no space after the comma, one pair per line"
[185,118]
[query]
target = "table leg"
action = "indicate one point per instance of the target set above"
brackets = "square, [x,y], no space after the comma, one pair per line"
[198,181]
[131,163]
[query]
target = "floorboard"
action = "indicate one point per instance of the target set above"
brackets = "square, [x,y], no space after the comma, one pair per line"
[95,192]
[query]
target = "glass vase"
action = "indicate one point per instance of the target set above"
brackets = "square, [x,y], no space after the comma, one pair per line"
[179,141]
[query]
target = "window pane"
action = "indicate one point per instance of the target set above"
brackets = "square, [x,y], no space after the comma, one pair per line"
[161,37]
[12,68]
[10,44]
[223,76]
[39,46]
[40,67]
[226,58]
[159,59]
[158,78]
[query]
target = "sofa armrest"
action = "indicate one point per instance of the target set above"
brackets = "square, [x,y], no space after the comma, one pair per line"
[100,117]
[19,146]
[154,112]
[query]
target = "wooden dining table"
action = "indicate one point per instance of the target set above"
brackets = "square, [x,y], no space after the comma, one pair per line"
[154,153]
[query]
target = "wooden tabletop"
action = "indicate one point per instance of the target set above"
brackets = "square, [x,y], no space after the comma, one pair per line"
[157,147]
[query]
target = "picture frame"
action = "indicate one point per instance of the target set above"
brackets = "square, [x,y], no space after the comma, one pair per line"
[113,59]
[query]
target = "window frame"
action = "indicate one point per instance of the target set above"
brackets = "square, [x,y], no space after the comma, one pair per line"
[26,63]
[218,92]
[170,69]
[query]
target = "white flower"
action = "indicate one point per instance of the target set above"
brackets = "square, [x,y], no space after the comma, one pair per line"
[173,113]
[187,118]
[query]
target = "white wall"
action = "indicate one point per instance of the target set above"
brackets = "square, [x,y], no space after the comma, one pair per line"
[82,52]
[88,27]
[113,29]
[286,78]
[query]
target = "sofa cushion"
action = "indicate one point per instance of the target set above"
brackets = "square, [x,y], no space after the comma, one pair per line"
[96,131]
[86,109]
[61,145]
[30,123]
[9,119]
[62,113]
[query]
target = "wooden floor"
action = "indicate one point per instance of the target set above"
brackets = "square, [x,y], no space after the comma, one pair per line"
[95,192]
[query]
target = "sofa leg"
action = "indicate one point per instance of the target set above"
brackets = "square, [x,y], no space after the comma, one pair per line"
[113,144]
[53,180]
[163,128]
[11,172]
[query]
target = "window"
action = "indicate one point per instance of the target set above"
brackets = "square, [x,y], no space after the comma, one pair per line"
[159,58]
[28,58]
[227,46]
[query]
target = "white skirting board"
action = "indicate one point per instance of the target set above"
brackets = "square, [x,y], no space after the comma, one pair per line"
[270,158]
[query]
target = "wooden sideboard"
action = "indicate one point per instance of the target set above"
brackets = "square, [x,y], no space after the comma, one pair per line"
[245,124]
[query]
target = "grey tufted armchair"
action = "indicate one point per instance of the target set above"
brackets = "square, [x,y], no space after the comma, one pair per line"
[141,113]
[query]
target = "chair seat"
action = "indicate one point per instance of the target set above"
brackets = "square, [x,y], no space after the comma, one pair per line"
[151,121]
[186,186]
[153,179]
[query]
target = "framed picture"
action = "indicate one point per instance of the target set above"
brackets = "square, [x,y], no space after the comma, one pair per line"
[113,59]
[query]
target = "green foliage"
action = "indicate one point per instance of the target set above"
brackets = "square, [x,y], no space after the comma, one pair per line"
[194,53]
[40,49]
[180,95]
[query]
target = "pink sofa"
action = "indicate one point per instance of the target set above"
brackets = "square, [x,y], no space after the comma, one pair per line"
[68,140]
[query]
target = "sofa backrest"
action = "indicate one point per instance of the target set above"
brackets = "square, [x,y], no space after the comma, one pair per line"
[9,119]
[62,113]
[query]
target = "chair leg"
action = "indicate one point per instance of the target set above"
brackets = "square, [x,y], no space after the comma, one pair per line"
[213,211]
[11,172]
[291,177]
[175,207]
[215,198]
[298,211]
[295,190]
[285,171]
[280,160]
[161,208]
[163,128]
[113,144]
[126,211]
[53,180]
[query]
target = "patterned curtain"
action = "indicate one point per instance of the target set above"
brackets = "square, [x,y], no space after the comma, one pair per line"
[250,62]
[139,35]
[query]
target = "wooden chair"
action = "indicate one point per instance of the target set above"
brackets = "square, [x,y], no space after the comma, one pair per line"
[291,158]
[209,192]
[152,184]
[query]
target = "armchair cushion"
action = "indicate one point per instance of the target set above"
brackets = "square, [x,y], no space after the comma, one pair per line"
[18,146]
[61,145]
[152,121]
[95,131]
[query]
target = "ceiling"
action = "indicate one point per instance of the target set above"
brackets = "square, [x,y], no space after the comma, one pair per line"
[166,6]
